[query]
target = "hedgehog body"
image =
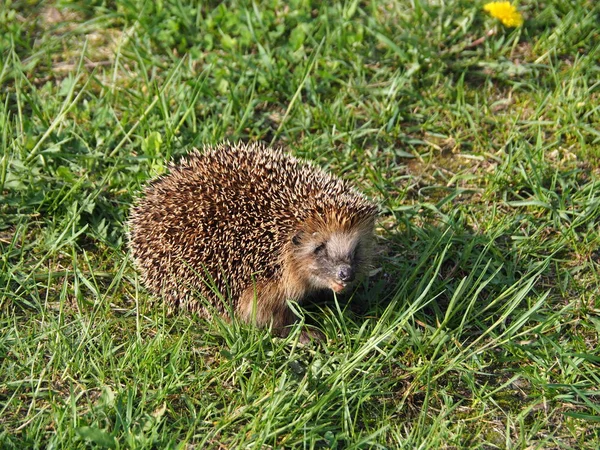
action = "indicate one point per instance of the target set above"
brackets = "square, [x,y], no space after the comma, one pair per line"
[249,228]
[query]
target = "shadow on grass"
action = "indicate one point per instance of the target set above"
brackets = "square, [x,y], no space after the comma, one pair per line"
[457,275]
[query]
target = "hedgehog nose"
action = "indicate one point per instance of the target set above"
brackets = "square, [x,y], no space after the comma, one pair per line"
[346,274]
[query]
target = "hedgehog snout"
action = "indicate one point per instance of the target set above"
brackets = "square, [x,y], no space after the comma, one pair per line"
[345,273]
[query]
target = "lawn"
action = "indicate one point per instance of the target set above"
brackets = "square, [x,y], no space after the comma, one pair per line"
[479,324]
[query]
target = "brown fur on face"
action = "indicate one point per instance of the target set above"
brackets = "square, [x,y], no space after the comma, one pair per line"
[328,253]
[253,226]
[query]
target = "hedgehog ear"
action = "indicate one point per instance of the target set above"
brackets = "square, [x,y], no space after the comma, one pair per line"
[297,238]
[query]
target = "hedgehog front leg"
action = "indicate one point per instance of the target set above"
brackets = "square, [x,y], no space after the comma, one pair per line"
[266,305]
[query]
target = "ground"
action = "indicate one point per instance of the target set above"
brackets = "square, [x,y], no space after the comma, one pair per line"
[478,327]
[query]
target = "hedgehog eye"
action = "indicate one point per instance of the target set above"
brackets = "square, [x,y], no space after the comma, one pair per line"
[355,251]
[296,239]
[319,249]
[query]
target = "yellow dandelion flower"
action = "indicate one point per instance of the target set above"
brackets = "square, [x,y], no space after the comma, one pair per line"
[505,12]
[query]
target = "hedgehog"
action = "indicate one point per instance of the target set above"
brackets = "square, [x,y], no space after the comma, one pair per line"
[244,229]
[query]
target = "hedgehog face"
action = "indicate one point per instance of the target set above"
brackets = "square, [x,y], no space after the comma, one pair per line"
[331,260]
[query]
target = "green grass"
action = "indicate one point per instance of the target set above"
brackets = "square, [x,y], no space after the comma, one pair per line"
[479,328]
